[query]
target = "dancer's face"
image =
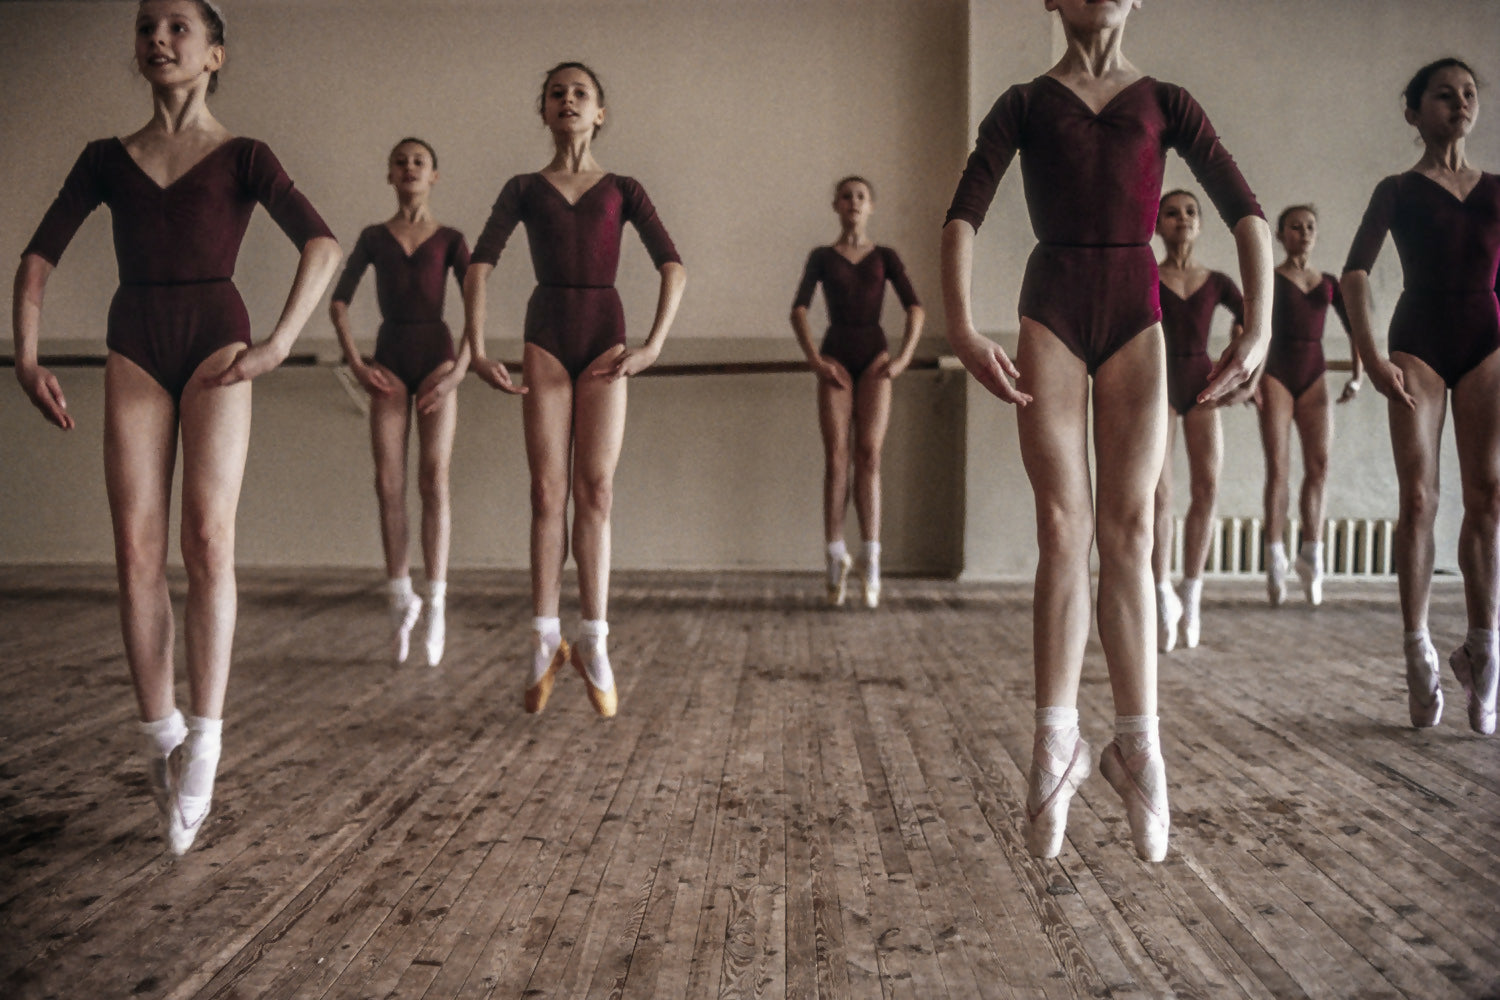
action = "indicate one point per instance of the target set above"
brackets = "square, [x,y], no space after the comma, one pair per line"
[1450,105]
[1178,221]
[853,203]
[571,103]
[1299,231]
[411,170]
[1093,15]
[171,43]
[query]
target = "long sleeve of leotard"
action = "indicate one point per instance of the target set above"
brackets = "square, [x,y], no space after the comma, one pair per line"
[999,138]
[269,184]
[812,273]
[1231,298]
[81,193]
[1370,236]
[354,269]
[895,273]
[1338,302]
[458,258]
[504,217]
[642,214]
[1194,139]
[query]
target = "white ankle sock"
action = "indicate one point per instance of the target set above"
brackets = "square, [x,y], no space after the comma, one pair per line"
[163,735]
[549,631]
[1416,637]
[1052,749]
[437,592]
[200,765]
[595,657]
[837,553]
[871,560]
[399,587]
[1276,557]
[1312,554]
[1192,594]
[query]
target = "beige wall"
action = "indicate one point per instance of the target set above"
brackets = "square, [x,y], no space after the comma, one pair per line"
[736,114]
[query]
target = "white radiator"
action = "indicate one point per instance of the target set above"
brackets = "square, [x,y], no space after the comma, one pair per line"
[1351,546]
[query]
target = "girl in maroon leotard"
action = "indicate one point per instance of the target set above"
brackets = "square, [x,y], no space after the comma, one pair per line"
[575,362]
[414,363]
[854,370]
[1190,293]
[1093,134]
[1293,391]
[1445,216]
[181,191]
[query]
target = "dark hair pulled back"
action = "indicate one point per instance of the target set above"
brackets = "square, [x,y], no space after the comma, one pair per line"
[413,140]
[213,20]
[541,101]
[854,179]
[1418,85]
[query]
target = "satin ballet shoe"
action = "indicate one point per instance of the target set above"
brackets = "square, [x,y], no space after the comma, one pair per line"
[538,693]
[437,634]
[185,816]
[1480,688]
[1192,626]
[1047,821]
[403,619]
[159,780]
[1168,616]
[1276,581]
[605,702]
[1424,690]
[872,594]
[839,586]
[1311,576]
[1144,795]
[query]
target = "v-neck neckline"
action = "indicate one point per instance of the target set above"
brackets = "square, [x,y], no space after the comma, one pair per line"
[1306,292]
[410,254]
[558,191]
[1190,295]
[1464,201]
[1085,104]
[856,263]
[164,188]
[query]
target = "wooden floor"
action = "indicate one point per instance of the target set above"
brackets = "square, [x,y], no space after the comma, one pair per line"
[793,802]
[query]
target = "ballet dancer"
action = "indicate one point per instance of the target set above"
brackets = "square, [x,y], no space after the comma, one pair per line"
[181,191]
[1292,390]
[1093,134]
[855,371]
[1189,294]
[414,363]
[1444,214]
[574,364]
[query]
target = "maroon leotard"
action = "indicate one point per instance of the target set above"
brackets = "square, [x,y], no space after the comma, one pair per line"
[1093,184]
[575,313]
[413,339]
[1448,315]
[1186,323]
[1295,357]
[854,295]
[176,247]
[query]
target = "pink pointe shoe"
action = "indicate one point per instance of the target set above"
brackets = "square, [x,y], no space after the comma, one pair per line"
[1424,691]
[1047,819]
[1141,781]
[1479,685]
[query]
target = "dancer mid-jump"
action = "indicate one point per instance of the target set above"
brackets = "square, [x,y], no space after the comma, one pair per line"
[575,362]
[414,365]
[1444,214]
[181,358]
[855,371]
[1093,134]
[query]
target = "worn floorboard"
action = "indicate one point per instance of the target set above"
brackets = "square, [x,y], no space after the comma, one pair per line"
[795,802]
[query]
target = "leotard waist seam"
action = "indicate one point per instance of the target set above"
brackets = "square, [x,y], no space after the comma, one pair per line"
[1092,246]
[171,284]
[1450,291]
[546,284]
